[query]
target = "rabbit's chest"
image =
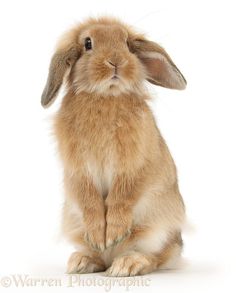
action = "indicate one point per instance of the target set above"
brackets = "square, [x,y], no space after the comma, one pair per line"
[103,138]
[101,174]
[110,143]
[109,131]
[95,154]
[98,151]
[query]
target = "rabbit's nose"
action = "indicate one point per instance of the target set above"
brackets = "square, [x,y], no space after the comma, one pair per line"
[112,63]
[115,64]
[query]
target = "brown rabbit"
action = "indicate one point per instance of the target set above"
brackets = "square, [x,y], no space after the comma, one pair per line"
[123,210]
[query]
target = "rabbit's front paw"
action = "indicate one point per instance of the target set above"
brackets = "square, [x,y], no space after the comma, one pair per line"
[95,230]
[95,237]
[118,225]
[116,233]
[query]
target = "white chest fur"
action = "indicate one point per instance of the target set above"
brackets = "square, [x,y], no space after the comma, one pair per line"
[102,175]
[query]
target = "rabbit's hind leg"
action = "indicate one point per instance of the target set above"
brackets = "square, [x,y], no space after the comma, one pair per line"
[134,262]
[83,263]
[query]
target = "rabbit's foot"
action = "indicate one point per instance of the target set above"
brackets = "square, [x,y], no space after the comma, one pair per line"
[131,265]
[80,263]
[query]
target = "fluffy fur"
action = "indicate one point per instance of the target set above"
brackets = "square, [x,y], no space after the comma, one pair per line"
[122,207]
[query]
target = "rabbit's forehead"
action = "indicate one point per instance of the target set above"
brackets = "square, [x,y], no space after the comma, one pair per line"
[103,33]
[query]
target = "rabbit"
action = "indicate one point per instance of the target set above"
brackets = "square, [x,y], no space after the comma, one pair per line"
[123,211]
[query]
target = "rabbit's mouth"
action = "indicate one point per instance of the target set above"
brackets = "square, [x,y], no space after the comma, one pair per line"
[116,84]
[115,77]
[115,80]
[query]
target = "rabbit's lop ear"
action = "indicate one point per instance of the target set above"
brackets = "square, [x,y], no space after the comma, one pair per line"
[62,61]
[161,70]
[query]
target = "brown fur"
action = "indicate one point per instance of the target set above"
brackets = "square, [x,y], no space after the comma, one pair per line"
[122,201]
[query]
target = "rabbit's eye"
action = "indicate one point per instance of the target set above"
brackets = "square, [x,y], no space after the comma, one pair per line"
[88,44]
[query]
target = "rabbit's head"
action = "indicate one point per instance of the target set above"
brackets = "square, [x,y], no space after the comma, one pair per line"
[104,56]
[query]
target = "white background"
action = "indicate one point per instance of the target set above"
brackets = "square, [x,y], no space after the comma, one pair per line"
[198,125]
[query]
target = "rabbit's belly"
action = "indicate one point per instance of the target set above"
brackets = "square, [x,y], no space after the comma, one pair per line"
[102,176]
